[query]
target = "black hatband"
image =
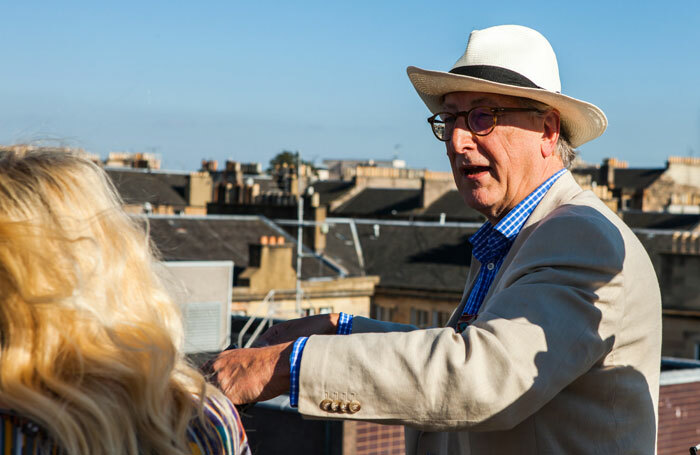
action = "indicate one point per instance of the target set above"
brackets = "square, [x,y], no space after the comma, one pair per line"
[495,74]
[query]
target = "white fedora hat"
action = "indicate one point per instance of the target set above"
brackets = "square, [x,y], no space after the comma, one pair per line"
[511,60]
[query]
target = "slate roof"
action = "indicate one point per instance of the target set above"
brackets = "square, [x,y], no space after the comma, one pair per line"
[595,172]
[216,238]
[419,256]
[454,208]
[158,188]
[381,202]
[661,220]
[636,178]
[330,190]
[341,247]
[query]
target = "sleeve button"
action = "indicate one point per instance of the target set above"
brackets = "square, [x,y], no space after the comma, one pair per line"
[343,406]
[326,405]
[354,406]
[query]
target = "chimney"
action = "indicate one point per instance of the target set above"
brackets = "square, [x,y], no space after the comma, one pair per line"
[434,185]
[684,170]
[608,170]
[269,266]
[199,189]
[233,172]
[209,165]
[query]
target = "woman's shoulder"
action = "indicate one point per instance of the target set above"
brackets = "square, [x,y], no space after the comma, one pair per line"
[221,432]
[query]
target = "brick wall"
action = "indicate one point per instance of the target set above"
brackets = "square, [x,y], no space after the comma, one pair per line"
[373,439]
[679,418]
[679,426]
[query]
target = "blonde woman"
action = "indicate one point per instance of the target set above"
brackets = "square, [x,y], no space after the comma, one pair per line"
[90,359]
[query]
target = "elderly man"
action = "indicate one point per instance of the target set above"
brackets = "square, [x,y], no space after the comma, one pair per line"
[555,346]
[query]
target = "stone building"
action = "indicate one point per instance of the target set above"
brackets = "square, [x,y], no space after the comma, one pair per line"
[674,188]
[395,193]
[162,192]
[264,257]
[422,266]
[133,160]
[676,259]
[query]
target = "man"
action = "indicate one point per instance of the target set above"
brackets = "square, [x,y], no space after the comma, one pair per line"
[555,346]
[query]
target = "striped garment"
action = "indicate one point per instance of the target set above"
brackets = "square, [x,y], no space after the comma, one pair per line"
[21,436]
[231,438]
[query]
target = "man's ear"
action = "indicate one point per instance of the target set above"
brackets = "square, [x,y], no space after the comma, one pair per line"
[550,134]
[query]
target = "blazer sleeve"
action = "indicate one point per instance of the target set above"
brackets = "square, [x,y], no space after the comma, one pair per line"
[553,317]
[366,325]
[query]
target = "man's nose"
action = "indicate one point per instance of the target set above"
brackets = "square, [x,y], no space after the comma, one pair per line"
[462,137]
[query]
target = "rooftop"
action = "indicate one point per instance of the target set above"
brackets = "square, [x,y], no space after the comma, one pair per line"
[636,178]
[380,202]
[661,220]
[330,190]
[225,237]
[454,208]
[408,255]
[158,188]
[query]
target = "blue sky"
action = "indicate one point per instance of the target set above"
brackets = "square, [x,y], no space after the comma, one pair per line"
[245,80]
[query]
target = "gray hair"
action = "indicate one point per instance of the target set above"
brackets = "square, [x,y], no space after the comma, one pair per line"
[564,149]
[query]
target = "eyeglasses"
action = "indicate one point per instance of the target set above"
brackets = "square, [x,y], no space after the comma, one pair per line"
[480,120]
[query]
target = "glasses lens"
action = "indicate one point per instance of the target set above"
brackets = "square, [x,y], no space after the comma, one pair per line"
[441,125]
[481,120]
[439,129]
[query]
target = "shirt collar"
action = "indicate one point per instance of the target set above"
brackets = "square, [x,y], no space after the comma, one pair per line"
[491,239]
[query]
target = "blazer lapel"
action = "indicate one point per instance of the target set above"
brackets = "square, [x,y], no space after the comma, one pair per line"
[563,190]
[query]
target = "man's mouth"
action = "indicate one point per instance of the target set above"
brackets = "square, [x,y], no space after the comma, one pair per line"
[474,171]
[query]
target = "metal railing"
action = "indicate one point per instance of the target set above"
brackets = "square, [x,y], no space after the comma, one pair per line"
[269,300]
[270,313]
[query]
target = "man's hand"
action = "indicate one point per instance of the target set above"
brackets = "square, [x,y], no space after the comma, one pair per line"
[320,324]
[255,374]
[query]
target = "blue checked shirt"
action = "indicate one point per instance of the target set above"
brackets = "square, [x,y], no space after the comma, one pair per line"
[490,244]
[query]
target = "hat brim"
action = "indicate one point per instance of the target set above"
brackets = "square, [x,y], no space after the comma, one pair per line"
[581,121]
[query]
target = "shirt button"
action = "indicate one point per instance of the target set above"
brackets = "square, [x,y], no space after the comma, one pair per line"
[490,266]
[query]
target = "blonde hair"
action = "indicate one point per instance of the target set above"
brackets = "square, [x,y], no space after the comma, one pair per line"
[90,340]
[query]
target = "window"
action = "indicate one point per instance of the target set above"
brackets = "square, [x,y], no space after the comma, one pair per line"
[420,318]
[382,313]
[440,318]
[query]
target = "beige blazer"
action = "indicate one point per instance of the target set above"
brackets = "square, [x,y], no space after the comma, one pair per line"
[563,357]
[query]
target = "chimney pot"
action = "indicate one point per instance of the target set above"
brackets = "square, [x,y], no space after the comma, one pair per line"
[263,240]
[280,240]
[273,240]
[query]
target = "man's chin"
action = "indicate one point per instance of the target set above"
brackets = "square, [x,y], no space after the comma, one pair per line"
[478,203]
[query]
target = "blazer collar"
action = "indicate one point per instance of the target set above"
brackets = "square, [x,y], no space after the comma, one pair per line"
[563,190]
